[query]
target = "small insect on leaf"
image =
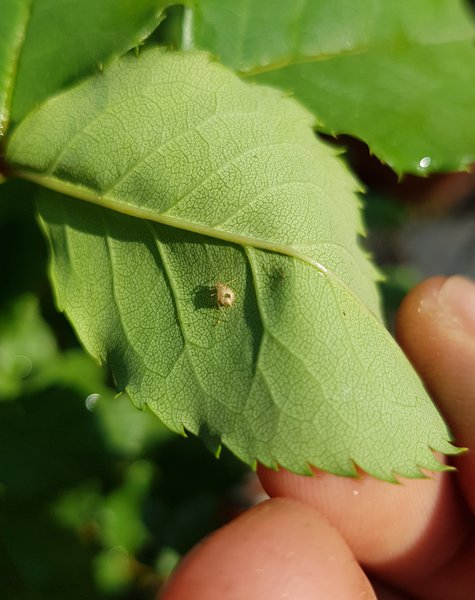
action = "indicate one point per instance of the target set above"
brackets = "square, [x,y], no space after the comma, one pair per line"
[225,296]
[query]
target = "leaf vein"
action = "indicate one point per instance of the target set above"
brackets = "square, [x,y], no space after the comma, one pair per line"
[117,301]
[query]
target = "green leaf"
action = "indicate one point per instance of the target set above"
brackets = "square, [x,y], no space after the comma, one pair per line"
[401,78]
[46,45]
[113,571]
[27,346]
[122,516]
[12,31]
[185,177]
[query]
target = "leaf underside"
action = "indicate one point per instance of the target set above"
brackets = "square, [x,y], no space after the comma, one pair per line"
[170,176]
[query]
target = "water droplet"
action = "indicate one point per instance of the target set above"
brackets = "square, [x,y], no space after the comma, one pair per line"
[91,401]
[23,365]
[425,162]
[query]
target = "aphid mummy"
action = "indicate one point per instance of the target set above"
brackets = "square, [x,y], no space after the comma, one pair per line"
[225,296]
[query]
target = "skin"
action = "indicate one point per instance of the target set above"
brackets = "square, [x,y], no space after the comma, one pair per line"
[329,537]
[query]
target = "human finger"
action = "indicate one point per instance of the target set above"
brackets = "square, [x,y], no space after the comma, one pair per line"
[278,549]
[437,329]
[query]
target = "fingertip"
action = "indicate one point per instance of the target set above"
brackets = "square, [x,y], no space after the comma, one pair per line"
[388,527]
[436,327]
[439,309]
[413,305]
[279,549]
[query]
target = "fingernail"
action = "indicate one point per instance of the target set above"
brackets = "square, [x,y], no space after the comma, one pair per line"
[456,298]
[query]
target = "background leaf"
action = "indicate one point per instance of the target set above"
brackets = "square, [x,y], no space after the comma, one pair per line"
[26,345]
[46,45]
[12,32]
[222,181]
[402,80]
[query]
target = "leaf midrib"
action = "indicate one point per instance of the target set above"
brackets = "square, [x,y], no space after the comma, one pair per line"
[82,192]
[328,56]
